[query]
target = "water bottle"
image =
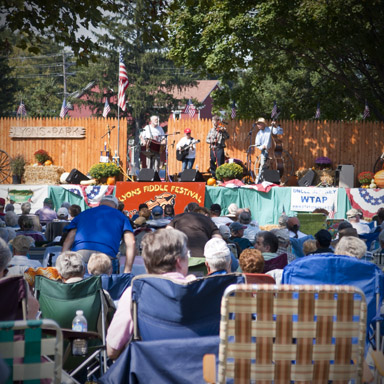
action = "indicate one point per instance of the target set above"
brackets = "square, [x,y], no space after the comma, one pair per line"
[79,324]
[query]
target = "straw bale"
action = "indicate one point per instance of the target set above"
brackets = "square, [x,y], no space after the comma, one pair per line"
[38,174]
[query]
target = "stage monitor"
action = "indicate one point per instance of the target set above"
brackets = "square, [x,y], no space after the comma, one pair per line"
[147,174]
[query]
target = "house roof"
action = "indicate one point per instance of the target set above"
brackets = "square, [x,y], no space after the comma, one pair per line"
[200,91]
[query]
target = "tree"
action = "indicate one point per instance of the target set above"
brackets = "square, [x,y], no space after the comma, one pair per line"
[338,41]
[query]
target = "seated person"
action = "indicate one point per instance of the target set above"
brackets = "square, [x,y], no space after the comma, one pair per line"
[268,244]
[252,229]
[251,261]
[323,241]
[46,213]
[158,220]
[169,212]
[26,229]
[11,219]
[99,264]
[215,213]
[20,261]
[309,247]
[54,229]
[284,243]
[70,266]
[237,232]
[25,211]
[293,226]
[165,253]
[351,246]
[217,257]
[353,216]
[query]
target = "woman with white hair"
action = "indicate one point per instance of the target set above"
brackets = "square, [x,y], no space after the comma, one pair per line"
[351,246]
[70,266]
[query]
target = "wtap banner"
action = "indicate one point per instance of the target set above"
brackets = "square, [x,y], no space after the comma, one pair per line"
[132,194]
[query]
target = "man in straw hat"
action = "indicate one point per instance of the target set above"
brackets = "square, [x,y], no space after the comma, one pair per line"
[263,141]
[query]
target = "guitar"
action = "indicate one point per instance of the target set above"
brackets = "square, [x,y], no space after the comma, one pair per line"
[183,151]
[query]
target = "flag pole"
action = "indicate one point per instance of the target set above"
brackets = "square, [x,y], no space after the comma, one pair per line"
[118,117]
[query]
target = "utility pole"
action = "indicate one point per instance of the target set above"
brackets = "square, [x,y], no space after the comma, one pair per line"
[64,76]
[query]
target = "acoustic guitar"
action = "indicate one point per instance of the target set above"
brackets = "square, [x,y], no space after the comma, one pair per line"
[183,151]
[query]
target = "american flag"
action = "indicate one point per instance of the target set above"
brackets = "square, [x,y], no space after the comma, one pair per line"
[275,111]
[317,114]
[190,108]
[366,111]
[21,109]
[64,109]
[107,108]
[189,103]
[123,83]
[233,113]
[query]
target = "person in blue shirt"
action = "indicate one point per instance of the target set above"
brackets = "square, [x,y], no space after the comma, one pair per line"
[237,233]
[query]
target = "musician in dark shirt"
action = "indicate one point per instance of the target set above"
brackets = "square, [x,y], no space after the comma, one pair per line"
[186,149]
[216,139]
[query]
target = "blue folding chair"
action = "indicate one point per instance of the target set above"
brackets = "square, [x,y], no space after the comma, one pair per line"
[166,309]
[297,245]
[337,269]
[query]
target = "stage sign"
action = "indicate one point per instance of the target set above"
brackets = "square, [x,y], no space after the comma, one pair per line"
[308,199]
[162,193]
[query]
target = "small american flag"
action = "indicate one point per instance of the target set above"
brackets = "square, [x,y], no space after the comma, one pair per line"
[275,111]
[21,109]
[317,114]
[64,109]
[192,110]
[107,108]
[233,112]
[123,83]
[366,111]
[189,103]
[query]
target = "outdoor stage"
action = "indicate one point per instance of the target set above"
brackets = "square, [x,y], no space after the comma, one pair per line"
[265,201]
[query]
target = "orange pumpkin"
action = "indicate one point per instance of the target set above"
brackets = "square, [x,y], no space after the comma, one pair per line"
[211,181]
[48,162]
[379,179]
[111,180]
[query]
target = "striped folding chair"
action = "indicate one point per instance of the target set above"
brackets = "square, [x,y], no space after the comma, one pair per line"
[29,352]
[291,333]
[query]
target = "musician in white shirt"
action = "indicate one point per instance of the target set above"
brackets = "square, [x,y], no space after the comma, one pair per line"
[264,140]
[151,135]
[187,140]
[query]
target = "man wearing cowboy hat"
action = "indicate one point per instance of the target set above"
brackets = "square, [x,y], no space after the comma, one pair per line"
[263,140]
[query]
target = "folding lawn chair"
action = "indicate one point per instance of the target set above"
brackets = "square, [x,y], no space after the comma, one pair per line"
[13,298]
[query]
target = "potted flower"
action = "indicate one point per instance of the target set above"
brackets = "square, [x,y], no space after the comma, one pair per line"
[323,162]
[365,178]
[105,172]
[42,156]
[229,171]
[17,165]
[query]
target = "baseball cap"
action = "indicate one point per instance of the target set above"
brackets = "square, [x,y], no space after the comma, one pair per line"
[110,198]
[353,213]
[2,202]
[48,201]
[157,211]
[187,130]
[236,226]
[216,208]
[323,237]
[215,248]
[245,217]
[62,212]
[225,232]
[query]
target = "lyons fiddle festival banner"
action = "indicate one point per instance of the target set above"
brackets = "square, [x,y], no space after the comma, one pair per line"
[308,199]
[162,193]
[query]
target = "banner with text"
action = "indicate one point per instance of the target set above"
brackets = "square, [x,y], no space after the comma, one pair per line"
[308,199]
[163,193]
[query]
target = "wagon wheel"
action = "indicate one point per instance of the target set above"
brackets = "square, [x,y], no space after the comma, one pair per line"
[5,167]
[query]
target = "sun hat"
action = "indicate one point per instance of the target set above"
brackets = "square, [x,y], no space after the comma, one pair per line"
[232,209]
[261,120]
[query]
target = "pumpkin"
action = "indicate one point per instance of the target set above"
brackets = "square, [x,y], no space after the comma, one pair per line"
[48,162]
[379,179]
[111,180]
[211,181]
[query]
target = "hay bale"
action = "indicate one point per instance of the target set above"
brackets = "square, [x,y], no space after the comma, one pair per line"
[38,174]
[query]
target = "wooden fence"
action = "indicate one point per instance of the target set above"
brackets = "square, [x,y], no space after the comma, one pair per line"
[68,152]
[357,143]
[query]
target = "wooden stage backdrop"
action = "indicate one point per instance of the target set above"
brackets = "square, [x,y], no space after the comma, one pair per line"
[357,143]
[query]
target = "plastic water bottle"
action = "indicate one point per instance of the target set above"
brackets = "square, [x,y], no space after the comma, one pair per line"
[79,324]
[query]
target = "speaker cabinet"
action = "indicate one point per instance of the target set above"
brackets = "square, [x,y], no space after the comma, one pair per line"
[345,176]
[307,179]
[147,174]
[191,175]
[271,175]
[75,177]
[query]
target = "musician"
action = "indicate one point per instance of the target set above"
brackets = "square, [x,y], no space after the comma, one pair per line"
[264,140]
[187,142]
[152,132]
[216,139]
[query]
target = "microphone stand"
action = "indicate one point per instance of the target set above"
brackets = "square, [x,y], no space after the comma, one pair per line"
[167,178]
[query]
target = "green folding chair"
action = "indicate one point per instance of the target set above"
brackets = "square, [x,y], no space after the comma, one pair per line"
[59,301]
[32,349]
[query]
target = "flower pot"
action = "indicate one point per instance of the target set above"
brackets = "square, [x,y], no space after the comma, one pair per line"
[16,179]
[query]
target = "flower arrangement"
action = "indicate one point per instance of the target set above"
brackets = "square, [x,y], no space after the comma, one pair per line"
[365,177]
[100,170]
[229,171]
[42,156]
[323,163]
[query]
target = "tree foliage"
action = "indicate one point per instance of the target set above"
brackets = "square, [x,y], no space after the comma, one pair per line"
[325,43]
